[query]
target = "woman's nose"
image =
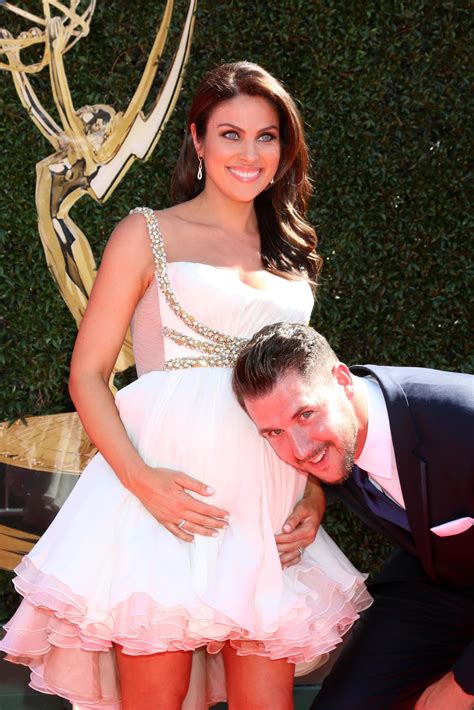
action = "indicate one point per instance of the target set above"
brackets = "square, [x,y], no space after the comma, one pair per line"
[248,150]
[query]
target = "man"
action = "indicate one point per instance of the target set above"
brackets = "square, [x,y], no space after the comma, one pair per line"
[397,446]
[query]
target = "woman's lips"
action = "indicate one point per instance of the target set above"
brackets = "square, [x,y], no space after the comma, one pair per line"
[245,174]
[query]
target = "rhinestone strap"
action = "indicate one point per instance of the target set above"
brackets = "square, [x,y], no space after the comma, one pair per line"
[221,349]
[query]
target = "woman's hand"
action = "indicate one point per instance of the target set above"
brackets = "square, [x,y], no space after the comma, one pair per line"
[164,493]
[301,527]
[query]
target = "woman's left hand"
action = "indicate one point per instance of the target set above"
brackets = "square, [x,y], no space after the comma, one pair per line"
[300,528]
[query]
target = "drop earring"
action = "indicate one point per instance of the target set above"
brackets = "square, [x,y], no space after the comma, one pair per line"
[199,172]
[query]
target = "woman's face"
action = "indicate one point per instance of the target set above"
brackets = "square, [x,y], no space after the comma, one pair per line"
[241,148]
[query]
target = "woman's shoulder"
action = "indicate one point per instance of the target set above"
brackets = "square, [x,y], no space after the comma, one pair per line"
[134,226]
[131,229]
[129,242]
[176,224]
[131,235]
[176,216]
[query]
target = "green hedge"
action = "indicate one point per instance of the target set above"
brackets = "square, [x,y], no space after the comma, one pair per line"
[384,93]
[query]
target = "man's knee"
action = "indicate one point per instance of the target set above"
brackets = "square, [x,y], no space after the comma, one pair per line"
[337,696]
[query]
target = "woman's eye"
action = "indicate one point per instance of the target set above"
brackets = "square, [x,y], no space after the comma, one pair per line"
[232,135]
[306,415]
[266,137]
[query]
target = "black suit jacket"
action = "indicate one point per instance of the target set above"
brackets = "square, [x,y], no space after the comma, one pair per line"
[431,415]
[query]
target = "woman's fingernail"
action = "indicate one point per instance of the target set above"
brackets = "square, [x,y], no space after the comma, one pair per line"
[209,490]
[215,533]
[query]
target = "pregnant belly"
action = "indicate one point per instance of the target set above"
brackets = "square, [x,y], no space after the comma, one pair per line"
[190,421]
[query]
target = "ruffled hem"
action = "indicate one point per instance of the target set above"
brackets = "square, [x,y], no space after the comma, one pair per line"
[69,646]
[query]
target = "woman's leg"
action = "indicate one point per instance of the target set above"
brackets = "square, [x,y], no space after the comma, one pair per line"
[158,681]
[257,683]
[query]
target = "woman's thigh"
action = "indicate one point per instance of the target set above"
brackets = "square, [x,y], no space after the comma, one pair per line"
[257,683]
[158,681]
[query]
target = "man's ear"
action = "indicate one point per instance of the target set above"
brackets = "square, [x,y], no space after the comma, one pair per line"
[343,377]
[196,141]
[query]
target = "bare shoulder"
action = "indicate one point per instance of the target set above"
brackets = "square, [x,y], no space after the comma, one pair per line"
[131,229]
[173,217]
[177,224]
[129,244]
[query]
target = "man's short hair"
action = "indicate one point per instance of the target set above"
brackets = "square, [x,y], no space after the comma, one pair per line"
[276,350]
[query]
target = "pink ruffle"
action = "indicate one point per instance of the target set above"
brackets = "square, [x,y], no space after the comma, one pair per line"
[69,646]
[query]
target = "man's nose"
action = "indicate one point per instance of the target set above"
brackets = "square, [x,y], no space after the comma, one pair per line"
[302,445]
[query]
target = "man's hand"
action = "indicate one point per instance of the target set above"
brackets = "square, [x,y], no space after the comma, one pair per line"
[445,694]
[300,528]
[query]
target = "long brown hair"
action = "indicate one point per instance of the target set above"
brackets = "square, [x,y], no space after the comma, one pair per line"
[288,242]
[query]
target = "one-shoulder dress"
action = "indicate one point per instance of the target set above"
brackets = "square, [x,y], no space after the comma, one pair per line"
[107,572]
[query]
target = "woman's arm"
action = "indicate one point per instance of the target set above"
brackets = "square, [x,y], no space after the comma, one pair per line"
[126,270]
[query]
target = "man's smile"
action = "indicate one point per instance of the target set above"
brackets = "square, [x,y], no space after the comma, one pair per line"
[319,456]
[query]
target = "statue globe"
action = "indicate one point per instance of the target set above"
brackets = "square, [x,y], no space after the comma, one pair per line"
[74,16]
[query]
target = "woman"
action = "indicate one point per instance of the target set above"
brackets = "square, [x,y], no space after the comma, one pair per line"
[114,583]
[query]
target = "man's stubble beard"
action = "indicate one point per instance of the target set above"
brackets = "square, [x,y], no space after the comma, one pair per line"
[349,441]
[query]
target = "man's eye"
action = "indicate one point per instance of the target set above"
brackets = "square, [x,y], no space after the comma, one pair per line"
[275,432]
[306,415]
[267,137]
[231,135]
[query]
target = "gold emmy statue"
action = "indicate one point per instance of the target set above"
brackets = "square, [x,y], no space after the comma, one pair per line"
[94,146]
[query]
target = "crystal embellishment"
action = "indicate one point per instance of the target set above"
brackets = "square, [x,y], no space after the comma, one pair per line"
[219,349]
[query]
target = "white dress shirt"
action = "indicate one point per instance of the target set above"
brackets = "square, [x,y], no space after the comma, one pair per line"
[378,457]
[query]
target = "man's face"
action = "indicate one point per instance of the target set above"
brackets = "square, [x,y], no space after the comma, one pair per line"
[310,424]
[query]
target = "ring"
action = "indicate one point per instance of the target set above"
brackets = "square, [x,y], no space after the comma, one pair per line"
[181,524]
[300,550]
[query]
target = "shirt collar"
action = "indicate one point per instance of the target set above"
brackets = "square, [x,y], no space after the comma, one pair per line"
[376,456]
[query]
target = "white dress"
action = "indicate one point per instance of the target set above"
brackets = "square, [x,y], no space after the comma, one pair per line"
[106,571]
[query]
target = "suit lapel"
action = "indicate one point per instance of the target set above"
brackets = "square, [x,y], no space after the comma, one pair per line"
[411,469]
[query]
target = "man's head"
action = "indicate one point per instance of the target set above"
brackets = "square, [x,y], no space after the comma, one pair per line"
[302,399]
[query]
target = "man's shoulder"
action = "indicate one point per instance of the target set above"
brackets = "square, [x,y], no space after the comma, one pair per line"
[440,392]
[416,377]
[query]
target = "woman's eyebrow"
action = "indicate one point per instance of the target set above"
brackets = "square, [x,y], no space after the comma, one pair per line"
[238,128]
